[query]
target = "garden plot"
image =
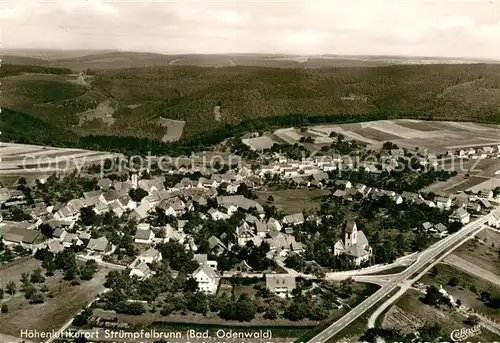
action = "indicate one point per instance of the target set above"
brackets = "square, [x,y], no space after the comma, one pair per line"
[259,143]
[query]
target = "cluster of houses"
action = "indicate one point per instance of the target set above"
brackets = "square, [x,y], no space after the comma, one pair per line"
[480,152]
[113,196]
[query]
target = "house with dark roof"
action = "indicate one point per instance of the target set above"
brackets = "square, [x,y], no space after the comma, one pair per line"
[98,245]
[144,236]
[20,235]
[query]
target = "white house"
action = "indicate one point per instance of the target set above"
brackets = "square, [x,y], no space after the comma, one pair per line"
[150,256]
[460,215]
[281,284]
[140,269]
[217,215]
[494,220]
[207,279]
[294,219]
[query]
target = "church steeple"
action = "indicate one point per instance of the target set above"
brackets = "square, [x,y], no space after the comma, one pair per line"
[350,233]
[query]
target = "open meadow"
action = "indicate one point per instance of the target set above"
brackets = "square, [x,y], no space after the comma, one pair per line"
[32,161]
[62,300]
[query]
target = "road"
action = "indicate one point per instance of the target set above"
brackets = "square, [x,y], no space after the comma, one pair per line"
[401,279]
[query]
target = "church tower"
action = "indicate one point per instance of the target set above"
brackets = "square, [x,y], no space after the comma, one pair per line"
[351,233]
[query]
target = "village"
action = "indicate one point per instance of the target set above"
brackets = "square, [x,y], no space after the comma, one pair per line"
[212,227]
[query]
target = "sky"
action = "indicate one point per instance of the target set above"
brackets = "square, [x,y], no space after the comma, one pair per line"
[442,28]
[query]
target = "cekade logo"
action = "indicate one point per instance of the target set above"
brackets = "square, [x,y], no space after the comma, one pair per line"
[463,334]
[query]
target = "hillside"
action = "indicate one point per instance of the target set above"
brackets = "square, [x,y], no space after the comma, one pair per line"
[129,102]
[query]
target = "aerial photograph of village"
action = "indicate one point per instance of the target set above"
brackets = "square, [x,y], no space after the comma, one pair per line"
[319,171]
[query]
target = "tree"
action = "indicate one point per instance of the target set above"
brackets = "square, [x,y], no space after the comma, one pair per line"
[4,308]
[11,288]
[472,320]
[82,318]
[1,293]
[270,199]
[36,276]
[453,282]
[137,194]
[37,298]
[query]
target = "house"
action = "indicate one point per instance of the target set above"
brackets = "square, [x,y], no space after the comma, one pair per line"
[244,234]
[20,235]
[150,256]
[281,284]
[214,243]
[127,203]
[59,233]
[144,236]
[116,208]
[55,247]
[443,203]
[473,207]
[71,239]
[91,198]
[427,226]
[207,279]
[294,219]
[339,193]
[140,269]
[441,230]
[494,220]
[485,204]
[104,184]
[273,224]
[98,245]
[140,212]
[217,215]
[355,244]
[203,259]
[460,215]
[103,315]
[485,194]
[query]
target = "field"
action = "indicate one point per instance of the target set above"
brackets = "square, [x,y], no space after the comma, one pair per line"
[435,137]
[483,255]
[293,200]
[174,129]
[462,291]
[33,161]
[65,302]
[410,312]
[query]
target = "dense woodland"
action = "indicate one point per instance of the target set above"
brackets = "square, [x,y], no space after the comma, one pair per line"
[250,99]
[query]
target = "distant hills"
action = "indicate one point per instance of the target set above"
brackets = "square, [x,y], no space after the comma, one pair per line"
[124,94]
[101,59]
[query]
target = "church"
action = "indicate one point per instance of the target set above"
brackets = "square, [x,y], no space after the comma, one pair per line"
[355,244]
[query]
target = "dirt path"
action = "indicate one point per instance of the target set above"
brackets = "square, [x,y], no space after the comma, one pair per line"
[472,269]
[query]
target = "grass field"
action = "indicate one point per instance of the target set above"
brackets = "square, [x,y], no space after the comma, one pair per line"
[483,255]
[294,200]
[462,291]
[65,302]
